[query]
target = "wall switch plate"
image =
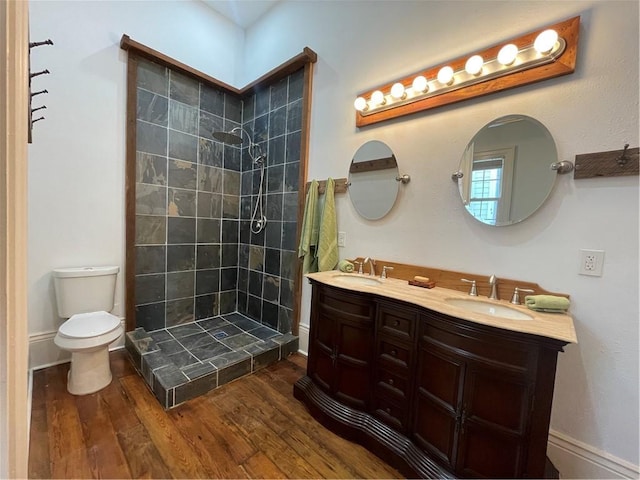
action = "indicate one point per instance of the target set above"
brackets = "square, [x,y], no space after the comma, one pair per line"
[342,239]
[591,262]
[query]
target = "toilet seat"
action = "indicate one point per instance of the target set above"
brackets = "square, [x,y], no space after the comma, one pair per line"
[88,330]
[87,325]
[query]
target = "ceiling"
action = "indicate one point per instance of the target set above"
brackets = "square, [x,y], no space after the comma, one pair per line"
[241,12]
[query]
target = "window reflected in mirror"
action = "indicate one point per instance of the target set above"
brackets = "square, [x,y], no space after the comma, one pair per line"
[506,170]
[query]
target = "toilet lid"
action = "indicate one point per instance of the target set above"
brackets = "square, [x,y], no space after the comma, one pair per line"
[85,325]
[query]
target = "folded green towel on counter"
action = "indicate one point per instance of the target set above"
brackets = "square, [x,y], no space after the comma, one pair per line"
[345,266]
[547,303]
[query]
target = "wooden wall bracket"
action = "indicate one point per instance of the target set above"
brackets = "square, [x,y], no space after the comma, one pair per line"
[341,185]
[615,163]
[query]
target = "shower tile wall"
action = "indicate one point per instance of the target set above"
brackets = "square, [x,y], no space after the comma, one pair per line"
[195,255]
[268,260]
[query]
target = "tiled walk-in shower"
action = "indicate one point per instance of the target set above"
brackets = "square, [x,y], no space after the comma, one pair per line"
[183,362]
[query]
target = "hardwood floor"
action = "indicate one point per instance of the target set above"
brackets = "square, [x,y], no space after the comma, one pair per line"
[250,428]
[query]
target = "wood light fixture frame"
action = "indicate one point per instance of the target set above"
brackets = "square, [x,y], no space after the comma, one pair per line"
[502,78]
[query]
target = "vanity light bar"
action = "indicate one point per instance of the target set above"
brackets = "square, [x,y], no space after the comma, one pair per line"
[535,56]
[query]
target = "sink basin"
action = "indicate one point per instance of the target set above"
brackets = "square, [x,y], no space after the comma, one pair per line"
[488,308]
[350,279]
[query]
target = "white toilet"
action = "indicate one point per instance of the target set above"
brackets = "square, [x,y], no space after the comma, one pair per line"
[84,295]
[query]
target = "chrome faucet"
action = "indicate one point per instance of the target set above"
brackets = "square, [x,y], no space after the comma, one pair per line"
[493,282]
[372,265]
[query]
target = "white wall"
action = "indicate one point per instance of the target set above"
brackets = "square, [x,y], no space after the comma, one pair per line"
[76,164]
[364,44]
[77,159]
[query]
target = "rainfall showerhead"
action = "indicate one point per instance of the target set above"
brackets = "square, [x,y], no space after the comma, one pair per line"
[227,137]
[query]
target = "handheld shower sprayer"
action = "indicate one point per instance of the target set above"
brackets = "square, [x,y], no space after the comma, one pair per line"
[234,137]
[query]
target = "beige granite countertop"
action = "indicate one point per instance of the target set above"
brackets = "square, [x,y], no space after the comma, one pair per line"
[551,325]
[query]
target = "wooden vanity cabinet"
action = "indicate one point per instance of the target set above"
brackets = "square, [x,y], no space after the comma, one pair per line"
[433,395]
[341,345]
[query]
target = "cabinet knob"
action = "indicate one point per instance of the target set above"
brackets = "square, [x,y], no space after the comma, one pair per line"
[388,410]
[396,323]
[390,381]
[394,353]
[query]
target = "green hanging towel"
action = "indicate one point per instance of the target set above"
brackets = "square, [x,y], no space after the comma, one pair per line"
[309,232]
[328,238]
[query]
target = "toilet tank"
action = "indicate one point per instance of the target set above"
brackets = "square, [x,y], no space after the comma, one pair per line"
[84,289]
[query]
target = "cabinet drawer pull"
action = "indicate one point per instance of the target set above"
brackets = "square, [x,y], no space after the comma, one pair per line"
[390,381]
[396,323]
[388,410]
[394,353]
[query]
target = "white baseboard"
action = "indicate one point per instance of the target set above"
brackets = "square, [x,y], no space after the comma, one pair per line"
[44,353]
[303,339]
[575,459]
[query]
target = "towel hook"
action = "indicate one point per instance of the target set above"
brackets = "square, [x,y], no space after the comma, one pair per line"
[403,178]
[623,159]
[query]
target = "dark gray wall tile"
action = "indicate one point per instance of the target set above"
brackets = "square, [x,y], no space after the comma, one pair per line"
[150,259]
[151,169]
[209,205]
[263,98]
[150,230]
[152,108]
[181,230]
[274,206]
[232,158]
[279,93]
[149,289]
[208,230]
[210,179]
[293,147]
[270,314]
[183,117]
[286,293]
[248,108]
[290,206]
[271,288]
[288,264]
[179,312]
[294,116]
[207,281]
[277,122]
[229,255]
[183,146]
[291,177]
[275,179]
[151,138]
[182,203]
[230,206]
[212,100]
[182,174]
[285,320]
[228,279]
[229,231]
[272,261]
[180,257]
[153,77]
[277,151]
[208,256]
[208,124]
[296,85]
[210,152]
[150,316]
[206,306]
[151,199]
[289,235]
[180,285]
[256,258]
[183,89]
[231,182]
[228,301]
[232,108]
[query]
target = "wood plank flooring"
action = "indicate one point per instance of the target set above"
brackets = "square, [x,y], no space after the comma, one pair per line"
[250,428]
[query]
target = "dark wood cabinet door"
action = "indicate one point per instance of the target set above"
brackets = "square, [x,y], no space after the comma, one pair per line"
[494,423]
[353,362]
[439,382]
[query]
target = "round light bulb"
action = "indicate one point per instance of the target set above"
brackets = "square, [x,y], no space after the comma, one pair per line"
[420,84]
[360,104]
[397,91]
[474,65]
[377,98]
[507,54]
[545,41]
[445,75]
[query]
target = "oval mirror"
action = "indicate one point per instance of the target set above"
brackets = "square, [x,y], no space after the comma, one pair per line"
[373,187]
[505,172]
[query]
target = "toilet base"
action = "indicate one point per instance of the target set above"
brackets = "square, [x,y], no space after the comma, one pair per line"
[90,371]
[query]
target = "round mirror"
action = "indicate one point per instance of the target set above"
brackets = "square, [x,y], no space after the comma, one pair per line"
[373,184]
[505,172]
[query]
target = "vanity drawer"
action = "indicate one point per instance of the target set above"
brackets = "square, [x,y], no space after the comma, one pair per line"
[396,321]
[394,354]
[393,413]
[391,383]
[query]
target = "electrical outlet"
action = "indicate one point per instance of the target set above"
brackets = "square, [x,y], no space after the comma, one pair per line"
[342,239]
[591,262]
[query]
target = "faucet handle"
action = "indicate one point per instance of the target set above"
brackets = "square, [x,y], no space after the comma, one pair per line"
[359,264]
[474,291]
[515,299]
[385,269]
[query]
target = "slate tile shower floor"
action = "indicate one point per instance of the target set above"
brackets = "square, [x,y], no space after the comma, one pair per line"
[187,361]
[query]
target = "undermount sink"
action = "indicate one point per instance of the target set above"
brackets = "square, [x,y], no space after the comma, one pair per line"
[351,279]
[488,308]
